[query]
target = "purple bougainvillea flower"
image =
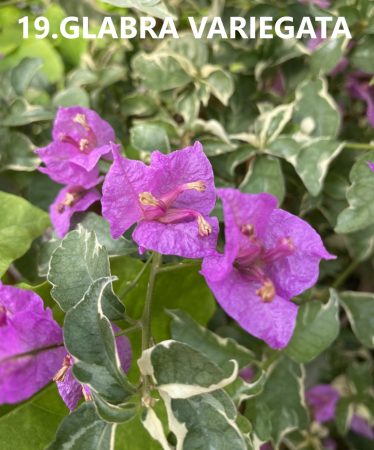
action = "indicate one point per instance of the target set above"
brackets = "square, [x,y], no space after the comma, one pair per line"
[371,165]
[320,3]
[361,426]
[71,390]
[70,200]
[322,400]
[270,256]
[28,334]
[80,138]
[358,86]
[170,201]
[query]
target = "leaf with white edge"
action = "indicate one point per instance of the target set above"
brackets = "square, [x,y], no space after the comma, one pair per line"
[359,307]
[315,110]
[182,372]
[114,413]
[343,415]
[317,327]
[240,390]
[328,55]
[219,82]
[75,264]
[265,175]
[218,349]
[162,71]
[204,422]
[16,152]
[153,425]
[270,124]
[311,158]
[24,72]
[360,212]
[20,224]
[83,429]
[280,408]
[114,247]
[149,137]
[188,105]
[89,338]
[156,8]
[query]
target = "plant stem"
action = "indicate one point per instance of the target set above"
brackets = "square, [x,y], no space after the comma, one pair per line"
[128,286]
[345,274]
[146,317]
[358,146]
[129,330]
[181,265]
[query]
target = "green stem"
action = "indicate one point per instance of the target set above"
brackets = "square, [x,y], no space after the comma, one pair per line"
[146,317]
[181,265]
[345,274]
[129,330]
[358,146]
[127,286]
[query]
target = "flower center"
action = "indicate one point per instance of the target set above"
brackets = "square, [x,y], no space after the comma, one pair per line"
[70,200]
[87,142]
[67,363]
[253,258]
[3,316]
[161,210]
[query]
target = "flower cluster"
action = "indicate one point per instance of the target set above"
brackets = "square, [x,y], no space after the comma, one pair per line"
[270,255]
[80,138]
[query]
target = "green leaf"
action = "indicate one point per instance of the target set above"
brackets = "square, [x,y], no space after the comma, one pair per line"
[20,224]
[32,424]
[270,124]
[114,413]
[194,50]
[359,307]
[155,8]
[240,390]
[343,415]
[361,243]
[280,408]
[75,264]
[188,106]
[153,425]
[315,110]
[22,113]
[162,71]
[149,137]
[362,56]
[265,175]
[23,74]
[53,67]
[84,429]
[216,348]
[316,329]
[219,82]
[16,152]
[205,421]
[73,96]
[89,338]
[360,213]
[182,372]
[326,57]
[311,158]
[114,247]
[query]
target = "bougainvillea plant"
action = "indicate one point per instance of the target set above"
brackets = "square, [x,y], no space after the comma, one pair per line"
[186,231]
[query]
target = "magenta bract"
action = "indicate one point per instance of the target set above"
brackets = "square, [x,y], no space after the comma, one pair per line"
[169,201]
[270,256]
[27,333]
[80,138]
[70,200]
